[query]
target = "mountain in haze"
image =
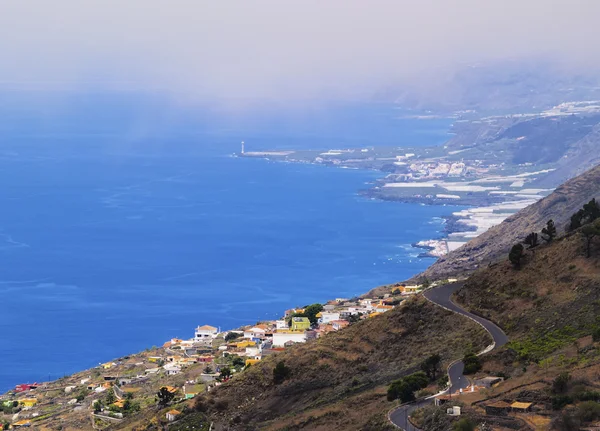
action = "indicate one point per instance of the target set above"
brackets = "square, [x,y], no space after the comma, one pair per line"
[503,86]
[497,241]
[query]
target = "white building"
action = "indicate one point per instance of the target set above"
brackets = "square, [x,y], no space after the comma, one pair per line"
[282,337]
[281,324]
[255,333]
[327,316]
[172,369]
[205,333]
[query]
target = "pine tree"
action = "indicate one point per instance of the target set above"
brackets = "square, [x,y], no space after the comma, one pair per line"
[590,231]
[549,232]
[516,254]
[532,240]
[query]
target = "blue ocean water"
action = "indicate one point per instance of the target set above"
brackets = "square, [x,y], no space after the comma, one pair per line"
[120,229]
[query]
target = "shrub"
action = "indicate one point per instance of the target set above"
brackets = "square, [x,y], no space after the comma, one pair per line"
[472,363]
[232,336]
[280,372]
[561,383]
[588,411]
[401,390]
[417,380]
[464,424]
[516,254]
[561,401]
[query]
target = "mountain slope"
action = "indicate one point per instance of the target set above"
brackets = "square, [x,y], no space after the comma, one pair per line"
[339,381]
[496,242]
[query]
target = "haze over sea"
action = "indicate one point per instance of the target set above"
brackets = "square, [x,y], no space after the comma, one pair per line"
[126,222]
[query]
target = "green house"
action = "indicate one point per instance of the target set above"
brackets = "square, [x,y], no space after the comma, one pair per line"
[300,323]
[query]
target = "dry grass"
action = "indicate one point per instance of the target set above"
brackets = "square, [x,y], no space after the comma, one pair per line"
[342,377]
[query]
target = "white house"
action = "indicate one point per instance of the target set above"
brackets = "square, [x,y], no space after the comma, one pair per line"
[172,369]
[255,333]
[252,352]
[281,324]
[282,337]
[205,333]
[328,316]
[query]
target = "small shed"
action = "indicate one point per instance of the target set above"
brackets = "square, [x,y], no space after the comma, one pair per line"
[499,408]
[488,382]
[520,407]
[172,415]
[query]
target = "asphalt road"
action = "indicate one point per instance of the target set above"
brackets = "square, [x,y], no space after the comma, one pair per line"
[441,296]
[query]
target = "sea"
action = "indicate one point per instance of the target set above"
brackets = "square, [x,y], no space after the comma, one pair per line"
[127,220]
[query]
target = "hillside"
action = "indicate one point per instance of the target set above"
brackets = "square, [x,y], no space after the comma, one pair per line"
[332,376]
[549,310]
[495,243]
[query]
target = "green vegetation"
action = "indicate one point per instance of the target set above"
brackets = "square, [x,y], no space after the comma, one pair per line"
[516,254]
[404,389]
[589,232]
[535,348]
[588,214]
[225,373]
[532,240]
[472,363]
[310,311]
[464,424]
[588,411]
[164,396]
[549,232]
[561,383]
[280,372]
[431,366]
[232,336]
[97,406]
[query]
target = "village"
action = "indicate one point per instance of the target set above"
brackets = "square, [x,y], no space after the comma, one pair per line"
[182,368]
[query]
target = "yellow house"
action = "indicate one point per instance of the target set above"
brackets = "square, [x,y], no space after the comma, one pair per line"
[252,361]
[244,344]
[108,365]
[28,402]
[374,314]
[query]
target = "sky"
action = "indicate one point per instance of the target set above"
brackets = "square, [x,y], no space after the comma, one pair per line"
[278,49]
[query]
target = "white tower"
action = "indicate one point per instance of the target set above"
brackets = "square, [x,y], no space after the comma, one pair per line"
[242,147]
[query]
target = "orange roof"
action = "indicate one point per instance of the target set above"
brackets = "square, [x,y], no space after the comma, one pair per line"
[173,412]
[170,389]
[206,328]
[119,403]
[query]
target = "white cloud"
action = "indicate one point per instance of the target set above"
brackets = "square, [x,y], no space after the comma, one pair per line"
[276,48]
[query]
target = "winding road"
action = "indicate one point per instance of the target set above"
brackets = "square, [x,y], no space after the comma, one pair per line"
[441,297]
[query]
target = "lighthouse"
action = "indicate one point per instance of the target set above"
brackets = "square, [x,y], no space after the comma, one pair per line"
[242,147]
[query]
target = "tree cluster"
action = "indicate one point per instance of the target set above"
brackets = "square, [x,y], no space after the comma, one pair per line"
[310,311]
[164,396]
[431,366]
[472,363]
[588,214]
[404,389]
[517,252]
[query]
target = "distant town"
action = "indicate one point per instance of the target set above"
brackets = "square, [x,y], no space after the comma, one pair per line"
[184,368]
